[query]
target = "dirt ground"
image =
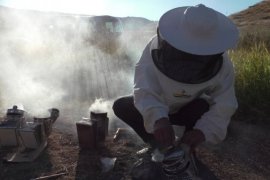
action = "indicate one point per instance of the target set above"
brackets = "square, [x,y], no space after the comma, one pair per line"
[245,154]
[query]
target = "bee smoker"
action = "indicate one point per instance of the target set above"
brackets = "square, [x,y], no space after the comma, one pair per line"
[54,114]
[178,164]
[87,133]
[102,124]
[48,121]
[92,131]
[8,127]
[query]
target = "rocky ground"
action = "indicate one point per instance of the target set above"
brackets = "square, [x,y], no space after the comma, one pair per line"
[245,154]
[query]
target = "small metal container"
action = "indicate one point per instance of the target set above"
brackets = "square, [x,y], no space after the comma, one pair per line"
[87,134]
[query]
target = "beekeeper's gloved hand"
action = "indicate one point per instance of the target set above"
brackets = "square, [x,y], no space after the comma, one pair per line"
[193,138]
[164,133]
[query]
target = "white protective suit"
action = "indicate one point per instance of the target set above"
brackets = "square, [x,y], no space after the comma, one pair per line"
[156,95]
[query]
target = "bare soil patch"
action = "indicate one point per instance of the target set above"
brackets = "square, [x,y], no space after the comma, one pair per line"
[245,154]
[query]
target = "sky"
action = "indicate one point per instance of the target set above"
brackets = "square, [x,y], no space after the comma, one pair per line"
[150,9]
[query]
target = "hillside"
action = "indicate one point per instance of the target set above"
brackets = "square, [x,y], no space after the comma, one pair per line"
[129,23]
[258,15]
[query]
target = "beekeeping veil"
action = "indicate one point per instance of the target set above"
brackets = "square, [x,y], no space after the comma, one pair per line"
[191,41]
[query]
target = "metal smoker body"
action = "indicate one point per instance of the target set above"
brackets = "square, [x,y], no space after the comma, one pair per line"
[179,164]
[28,137]
[92,130]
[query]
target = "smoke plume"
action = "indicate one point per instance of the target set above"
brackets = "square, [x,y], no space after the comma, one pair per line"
[49,60]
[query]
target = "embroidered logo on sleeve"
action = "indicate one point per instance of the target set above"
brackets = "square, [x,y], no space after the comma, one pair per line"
[181,94]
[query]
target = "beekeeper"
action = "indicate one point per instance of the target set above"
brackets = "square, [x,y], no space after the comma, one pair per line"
[184,77]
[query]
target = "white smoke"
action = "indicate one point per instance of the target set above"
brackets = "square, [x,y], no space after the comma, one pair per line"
[105,106]
[100,106]
[47,61]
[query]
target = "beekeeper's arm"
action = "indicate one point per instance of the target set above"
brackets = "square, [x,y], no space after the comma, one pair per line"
[148,100]
[214,123]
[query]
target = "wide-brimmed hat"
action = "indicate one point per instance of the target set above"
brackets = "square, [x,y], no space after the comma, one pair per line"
[198,30]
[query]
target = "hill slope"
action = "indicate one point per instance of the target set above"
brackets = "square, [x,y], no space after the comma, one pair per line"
[258,14]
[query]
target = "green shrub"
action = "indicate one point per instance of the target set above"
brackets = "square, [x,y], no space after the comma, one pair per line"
[252,68]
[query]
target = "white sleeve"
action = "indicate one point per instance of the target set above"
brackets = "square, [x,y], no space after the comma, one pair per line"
[147,92]
[214,123]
